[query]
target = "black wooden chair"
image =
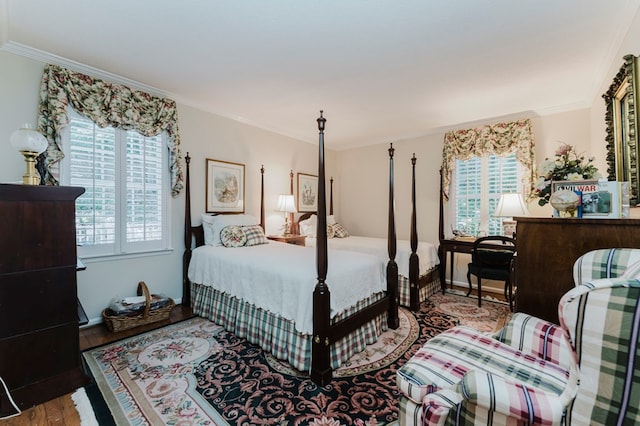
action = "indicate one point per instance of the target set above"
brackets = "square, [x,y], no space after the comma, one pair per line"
[491,259]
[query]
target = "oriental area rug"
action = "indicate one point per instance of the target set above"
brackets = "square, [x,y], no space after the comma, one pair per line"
[196,373]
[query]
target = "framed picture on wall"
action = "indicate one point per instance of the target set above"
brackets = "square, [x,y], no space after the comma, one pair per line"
[307,193]
[225,187]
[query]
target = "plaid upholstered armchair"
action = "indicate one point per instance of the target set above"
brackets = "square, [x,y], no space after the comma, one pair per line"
[581,372]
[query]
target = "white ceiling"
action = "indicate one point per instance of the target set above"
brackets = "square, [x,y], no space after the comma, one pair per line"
[381,70]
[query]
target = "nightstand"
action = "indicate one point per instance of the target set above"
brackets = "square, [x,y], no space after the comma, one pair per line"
[291,239]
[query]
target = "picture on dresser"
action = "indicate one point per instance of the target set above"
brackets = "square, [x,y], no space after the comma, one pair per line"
[599,199]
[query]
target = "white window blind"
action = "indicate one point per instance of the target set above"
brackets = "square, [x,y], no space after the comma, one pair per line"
[124,207]
[479,182]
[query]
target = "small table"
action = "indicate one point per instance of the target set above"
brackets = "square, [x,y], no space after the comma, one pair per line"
[290,239]
[452,247]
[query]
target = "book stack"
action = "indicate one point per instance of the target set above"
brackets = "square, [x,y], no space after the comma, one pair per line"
[600,199]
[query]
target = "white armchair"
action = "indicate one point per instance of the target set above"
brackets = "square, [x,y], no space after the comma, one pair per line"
[581,372]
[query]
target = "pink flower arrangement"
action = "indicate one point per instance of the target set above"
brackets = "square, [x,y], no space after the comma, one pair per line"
[568,165]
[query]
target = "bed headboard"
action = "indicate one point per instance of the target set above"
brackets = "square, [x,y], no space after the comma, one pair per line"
[305,216]
[194,235]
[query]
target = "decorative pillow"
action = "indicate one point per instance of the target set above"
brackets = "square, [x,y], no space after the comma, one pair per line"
[308,227]
[208,233]
[339,231]
[233,236]
[218,222]
[255,235]
[330,231]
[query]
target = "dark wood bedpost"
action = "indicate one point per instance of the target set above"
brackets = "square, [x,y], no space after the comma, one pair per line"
[262,197]
[392,267]
[293,225]
[414,261]
[441,236]
[291,182]
[441,212]
[320,355]
[186,257]
[331,196]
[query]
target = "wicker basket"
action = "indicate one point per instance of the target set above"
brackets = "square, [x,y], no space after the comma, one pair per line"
[123,322]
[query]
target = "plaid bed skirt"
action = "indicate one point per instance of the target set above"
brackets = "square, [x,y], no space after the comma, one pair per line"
[404,288]
[277,335]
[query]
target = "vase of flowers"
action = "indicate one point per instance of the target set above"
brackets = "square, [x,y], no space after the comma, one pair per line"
[567,165]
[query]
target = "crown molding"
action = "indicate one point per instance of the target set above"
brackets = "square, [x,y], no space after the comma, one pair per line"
[49,58]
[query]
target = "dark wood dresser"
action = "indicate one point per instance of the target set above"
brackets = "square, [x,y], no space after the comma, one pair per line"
[39,335]
[547,249]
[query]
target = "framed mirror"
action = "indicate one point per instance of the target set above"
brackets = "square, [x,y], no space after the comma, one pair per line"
[621,119]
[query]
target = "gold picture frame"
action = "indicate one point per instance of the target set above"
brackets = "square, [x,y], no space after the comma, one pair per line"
[225,187]
[621,120]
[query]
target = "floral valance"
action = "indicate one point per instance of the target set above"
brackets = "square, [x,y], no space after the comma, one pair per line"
[106,104]
[497,139]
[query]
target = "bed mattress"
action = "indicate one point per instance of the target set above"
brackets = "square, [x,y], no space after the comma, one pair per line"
[281,277]
[427,253]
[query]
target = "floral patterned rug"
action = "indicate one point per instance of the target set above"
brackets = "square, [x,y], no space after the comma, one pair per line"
[196,373]
[484,318]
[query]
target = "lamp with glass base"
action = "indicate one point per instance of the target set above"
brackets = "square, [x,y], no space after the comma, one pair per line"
[509,206]
[286,204]
[30,143]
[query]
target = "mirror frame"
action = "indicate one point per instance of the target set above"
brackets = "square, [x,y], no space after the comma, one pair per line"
[621,119]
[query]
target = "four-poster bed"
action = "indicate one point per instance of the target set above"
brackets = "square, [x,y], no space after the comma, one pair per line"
[334,336]
[418,263]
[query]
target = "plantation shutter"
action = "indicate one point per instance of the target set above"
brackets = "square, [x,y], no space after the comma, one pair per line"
[144,188]
[468,191]
[502,178]
[93,167]
[123,209]
[479,182]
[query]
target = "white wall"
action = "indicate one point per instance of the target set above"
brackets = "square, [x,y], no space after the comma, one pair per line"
[18,105]
[204,136]
[363,180]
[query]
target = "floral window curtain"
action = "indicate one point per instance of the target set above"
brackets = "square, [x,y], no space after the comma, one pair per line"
[107,104]
[498,139]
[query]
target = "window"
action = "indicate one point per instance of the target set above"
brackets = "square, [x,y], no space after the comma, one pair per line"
[478,183]
[124,207]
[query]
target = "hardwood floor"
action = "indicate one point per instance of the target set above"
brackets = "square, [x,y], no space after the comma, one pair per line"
[62,411]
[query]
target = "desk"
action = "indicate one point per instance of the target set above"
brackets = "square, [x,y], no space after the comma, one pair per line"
[452,247]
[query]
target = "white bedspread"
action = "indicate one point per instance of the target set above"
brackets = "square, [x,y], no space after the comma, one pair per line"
[281,277]
[427,253]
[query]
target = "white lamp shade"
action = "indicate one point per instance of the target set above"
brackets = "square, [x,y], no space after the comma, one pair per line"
[511,205]
[29,140]
[286,203]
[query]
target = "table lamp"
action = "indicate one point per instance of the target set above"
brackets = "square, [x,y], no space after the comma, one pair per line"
[287,204]
[510,205]
[30,143]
